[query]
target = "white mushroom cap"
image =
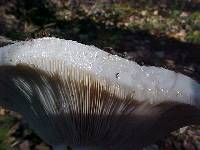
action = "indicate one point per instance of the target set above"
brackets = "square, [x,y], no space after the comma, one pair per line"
[52,54]
[80,95]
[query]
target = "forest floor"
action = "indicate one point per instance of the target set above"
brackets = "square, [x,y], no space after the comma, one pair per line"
[160,34]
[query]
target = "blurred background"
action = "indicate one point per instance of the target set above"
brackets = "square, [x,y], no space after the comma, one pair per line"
[164,33]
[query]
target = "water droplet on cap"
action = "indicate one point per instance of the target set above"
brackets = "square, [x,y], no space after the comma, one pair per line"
[147,74]
[149,89]
[117,76]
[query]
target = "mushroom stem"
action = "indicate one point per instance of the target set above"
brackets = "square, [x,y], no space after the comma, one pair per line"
[59,147]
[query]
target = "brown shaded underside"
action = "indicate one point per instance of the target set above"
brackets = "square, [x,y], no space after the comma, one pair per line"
[89,112]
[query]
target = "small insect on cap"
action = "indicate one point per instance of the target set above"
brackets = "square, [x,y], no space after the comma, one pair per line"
[70,95]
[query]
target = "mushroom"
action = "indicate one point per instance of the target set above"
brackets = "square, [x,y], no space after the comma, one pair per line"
[78,95]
